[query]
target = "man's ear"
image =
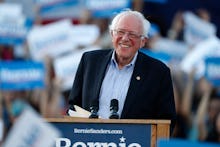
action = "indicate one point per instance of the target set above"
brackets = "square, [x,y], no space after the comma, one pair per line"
[111,33]
[143,42]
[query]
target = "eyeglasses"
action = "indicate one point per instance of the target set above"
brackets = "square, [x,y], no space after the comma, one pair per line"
[131,35]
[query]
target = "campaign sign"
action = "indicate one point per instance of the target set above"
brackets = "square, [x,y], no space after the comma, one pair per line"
[212,70]
[51,5]
[14,26]
[65,67]
[21,75]
[31,130]
[162,56]
[57,9]
[50,40]
[106,8]
[10,12]
[103,134]
[176,49]
[195,58]
[184,143]
[11,33]
[197,29]
[84,35]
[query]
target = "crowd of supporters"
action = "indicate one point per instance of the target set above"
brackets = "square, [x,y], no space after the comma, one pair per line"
[197,98]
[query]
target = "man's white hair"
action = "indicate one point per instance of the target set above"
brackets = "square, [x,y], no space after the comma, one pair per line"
[145,22]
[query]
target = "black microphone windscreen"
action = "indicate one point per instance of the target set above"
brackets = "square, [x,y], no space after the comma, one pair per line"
[95,104]
[114,109]
[94,109]
[114,104]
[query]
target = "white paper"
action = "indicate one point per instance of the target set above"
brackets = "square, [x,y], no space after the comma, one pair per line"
[80,112]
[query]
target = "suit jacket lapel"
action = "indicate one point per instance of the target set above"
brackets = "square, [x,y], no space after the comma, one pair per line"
[102,64]
[135,83]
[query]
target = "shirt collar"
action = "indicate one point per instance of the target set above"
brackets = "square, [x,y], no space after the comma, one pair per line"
[113,60]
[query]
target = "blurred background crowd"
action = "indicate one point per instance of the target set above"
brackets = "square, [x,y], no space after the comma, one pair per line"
[41,43]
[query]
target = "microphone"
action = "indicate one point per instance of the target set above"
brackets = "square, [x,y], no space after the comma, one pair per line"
[94,109]
[114,109]
[70,108]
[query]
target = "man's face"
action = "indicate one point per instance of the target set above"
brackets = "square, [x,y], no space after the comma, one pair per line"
[126,37]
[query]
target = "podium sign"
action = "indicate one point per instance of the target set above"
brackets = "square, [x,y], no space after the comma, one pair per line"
[103,133]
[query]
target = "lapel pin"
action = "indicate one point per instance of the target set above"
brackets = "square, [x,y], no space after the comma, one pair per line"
[138,78]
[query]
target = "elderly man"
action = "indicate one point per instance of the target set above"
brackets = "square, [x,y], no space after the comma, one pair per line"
[142,85]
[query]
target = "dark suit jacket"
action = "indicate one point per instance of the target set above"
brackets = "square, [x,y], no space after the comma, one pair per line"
[151,97]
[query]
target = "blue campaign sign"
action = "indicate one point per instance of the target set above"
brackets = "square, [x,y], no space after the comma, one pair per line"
[184,143]
[212,70]
[162,56]
[103,134]
[56,4]
[21,75]
[12,33]
[106,8]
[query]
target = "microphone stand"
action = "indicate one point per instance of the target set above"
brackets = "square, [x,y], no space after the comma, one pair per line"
[114,109]
[94,109]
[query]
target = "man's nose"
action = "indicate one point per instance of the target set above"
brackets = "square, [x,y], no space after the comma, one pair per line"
[125,36]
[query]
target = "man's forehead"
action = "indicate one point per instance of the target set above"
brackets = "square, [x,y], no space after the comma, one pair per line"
[129,21]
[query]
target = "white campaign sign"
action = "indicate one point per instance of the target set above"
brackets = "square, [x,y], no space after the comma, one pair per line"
[196,29]
[30,130]
[85,34]
[172,47]
[65,67]
[52,39]
[195,59]
[13,24]
[10,12]
[105,4]
[44,2]
[60,8]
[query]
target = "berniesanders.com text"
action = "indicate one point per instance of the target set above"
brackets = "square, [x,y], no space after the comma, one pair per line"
[97,131]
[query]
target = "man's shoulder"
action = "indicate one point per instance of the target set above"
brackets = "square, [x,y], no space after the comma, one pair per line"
[99,52]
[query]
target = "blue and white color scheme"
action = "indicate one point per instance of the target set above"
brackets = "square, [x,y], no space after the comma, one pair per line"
[31,130]
[21,75]
[212,70]
[196,29]
[103,134]
[14,33]
[196,57]
[60,8]
[51,40]
[50,5]
[14,26]
[162,56]
[106,8]
[174,48]
[65,71]
[184,143]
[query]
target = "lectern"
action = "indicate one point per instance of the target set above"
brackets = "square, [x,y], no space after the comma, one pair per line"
[86,132]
